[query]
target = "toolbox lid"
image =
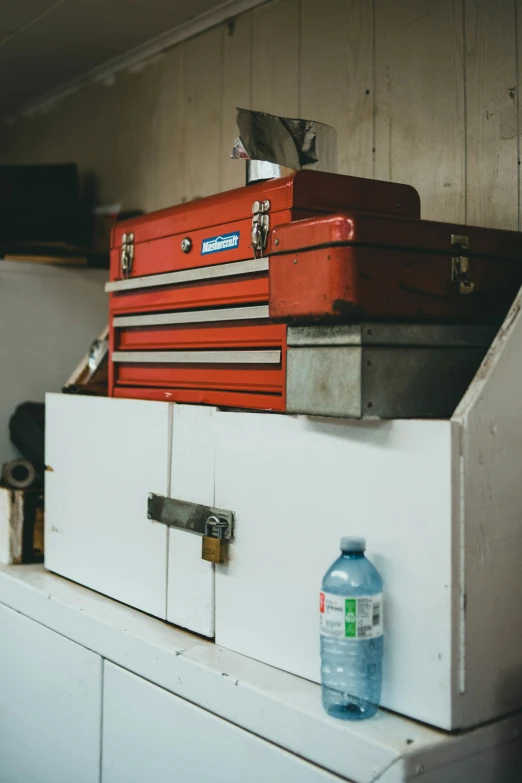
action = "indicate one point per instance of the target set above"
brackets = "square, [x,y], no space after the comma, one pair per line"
[395,233]
[313,191]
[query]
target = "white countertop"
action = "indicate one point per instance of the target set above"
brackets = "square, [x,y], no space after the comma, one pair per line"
[270,703]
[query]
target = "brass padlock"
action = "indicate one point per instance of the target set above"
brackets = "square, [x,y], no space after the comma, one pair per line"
[213,547]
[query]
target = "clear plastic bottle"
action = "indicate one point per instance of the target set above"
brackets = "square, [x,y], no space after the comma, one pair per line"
[351,628]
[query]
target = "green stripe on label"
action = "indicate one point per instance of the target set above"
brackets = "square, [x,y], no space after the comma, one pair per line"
[350,617]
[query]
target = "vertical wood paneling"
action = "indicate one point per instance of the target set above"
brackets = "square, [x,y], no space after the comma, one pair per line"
[236,91]
[166,177]
[202,58]
[336,76]
[491,102]
[126,140]
[518,32]
[420,101]
[275,61]
[163,134]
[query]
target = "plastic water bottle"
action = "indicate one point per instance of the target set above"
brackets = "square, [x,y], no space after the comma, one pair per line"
[351,628]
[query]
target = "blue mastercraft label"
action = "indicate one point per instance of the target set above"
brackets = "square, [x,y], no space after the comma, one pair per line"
[217,244]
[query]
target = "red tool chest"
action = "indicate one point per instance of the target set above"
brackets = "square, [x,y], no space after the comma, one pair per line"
[202,295]
[193,269]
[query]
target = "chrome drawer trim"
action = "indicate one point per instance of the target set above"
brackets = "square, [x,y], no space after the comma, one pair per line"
[192,317]
[190,275]
[197,357]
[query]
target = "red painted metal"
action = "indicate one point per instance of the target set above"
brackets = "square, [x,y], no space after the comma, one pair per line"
[353,267]
[229,399]
[309,190]
[157,249]
[247,289]
[209,337]
[249,378]
[382,231]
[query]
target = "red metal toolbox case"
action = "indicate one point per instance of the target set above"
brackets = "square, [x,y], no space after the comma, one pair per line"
[199,314]
[200,255]
[372,267]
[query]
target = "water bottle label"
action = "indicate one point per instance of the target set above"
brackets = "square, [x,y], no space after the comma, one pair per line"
[351,618]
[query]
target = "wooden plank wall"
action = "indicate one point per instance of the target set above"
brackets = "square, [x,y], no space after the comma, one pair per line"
[420,91]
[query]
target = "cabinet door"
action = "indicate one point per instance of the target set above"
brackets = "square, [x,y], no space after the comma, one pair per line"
[296,486]
[50,705]
[104,456]
[151,735]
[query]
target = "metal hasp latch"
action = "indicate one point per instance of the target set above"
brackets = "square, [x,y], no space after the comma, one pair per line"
[460,265]
[215,525]
[260,226]
[127,254]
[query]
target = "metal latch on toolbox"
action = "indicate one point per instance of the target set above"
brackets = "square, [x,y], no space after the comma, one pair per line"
[260,226]
[127,254]
[215,525]
[460,265]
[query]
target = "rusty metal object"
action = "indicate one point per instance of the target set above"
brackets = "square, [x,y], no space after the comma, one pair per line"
[18,474]
[192,517]
[386,371]
[21,526]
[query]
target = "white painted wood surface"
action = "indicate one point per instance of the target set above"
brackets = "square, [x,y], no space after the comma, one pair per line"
[49,317]
[190,592]
[419,112]
[489,766]
[275,58]
[442,90]
[336,76]
[272,704]
[490,416]
[50,705]
[202,63]
[235,92]
[163,178]
[491,113]
[150,734]
[103,458]
[438,501]
[296,486]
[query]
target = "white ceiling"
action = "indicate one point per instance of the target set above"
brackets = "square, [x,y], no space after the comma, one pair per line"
[47,43]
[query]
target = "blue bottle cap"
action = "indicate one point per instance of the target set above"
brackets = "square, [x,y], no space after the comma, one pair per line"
[351,544]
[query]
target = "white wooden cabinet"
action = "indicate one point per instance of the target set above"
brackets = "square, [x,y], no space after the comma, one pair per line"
[150,734]
[171,706]
[50,705]
[439,501]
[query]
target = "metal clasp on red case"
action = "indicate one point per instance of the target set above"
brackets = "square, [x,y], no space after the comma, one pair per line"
[260,226]
[127,254]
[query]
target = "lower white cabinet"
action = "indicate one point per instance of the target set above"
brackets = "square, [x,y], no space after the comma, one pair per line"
[50,705]
[152,735]
[92,691]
